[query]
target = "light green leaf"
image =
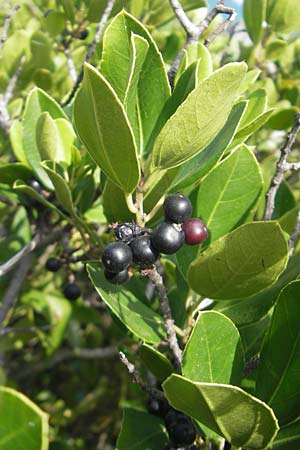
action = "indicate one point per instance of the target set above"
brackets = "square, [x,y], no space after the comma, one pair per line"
[137,317]
[249,78]
[240,263]
[62,190]
[55,22]
[16,139]
[156,362]
[214,357]
[114,204]
[148,435]
[9,173]
[198,119]
[278,382]
[257,105]
[241,419]
[283,15]
[37,103]
[105,131]
[23,424]
[19,235]
[192,171]
[229,192]
[254,16]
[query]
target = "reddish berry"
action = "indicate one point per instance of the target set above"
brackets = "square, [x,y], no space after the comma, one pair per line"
[194,231]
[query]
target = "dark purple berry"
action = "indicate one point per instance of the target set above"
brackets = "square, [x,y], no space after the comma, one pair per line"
[158,407]
[117,278]
[53,264]
[143,251]
[177,208]
[194,231]
[180,428]
[167,238]
[83,34]
[72,291]
[117,256]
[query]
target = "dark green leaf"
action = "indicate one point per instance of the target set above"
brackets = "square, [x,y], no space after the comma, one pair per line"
[156,362]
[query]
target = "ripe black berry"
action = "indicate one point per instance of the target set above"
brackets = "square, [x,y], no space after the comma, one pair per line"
[180,428]
[117,256]
[83,34]
[194,231]
[158,407]
[34,184]
[53,264]
[117,278]
[166,238]
[72,291]
[143,251]
[177,208]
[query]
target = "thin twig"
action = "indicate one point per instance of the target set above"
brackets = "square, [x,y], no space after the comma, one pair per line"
[194,32]
[5,28]
[17,330]
[295,234]
[162,294]
[11,295]
[91,49]
[151,391]
[281,167]
[70,64]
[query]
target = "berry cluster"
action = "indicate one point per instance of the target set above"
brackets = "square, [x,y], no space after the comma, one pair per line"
[142,246]
[180,427]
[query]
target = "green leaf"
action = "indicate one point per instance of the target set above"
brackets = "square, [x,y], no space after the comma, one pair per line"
[54,138]
[137,317]
[160,11]
[114,204]
[229,192]
[156,362]
[254,16]
[141,431]
[278,382]
[192,171]
[288,438]
[118,59]
[214,357]
[68,6]
[41,50]
[240,263]
[113,149]
[62,190]
[37,103]
[9,173]
[19,235]
[16,139]
[283,15]
[257,104]
[198,119]
[55,22]
[198,52]
[241,419]
[22,423]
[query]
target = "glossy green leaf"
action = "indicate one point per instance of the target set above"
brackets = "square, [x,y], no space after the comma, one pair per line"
[214,352]
[54,138]
[120,59]
[241,419]
[114,204]
[137,317]
[198,119]
[283,15]
[283,119]
[62,190]
[141,431]
[156,362]
[240,263]
[278,382]
[254,16]
[229,192]
[105,131]
[22,423]
[252,336]
[9,173]
[192,171]
[37,103]
[251,309]
[288,437]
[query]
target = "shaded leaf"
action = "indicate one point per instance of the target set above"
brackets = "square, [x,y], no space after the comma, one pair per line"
[156,362]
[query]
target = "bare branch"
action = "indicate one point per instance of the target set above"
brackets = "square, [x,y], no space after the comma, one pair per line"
[280,169]
[292,166]
[295,234]
[185,22]
[70,64]
[17,330]
[161,290]
[11,295]
[5,28]
[91,49]
[152,392]
[223,25]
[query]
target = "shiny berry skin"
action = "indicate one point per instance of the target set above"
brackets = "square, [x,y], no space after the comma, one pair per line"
[167,239]
[194,231]
[177,208]
[158,407]
[117,256]
[83,34]
[34,184]
[53,264]
[72,291]
[180,428]
[117,278]
[143,251]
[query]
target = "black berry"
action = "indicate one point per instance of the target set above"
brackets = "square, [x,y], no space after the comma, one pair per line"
[83,34]
[177,208]
[53,264]
[158,407]
[117,256]
[72,291]
[180,428]
[143,251]
[194,231]
[117,278]
[167,238]
[34,184]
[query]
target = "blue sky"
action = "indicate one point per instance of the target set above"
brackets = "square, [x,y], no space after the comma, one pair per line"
[236,4]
